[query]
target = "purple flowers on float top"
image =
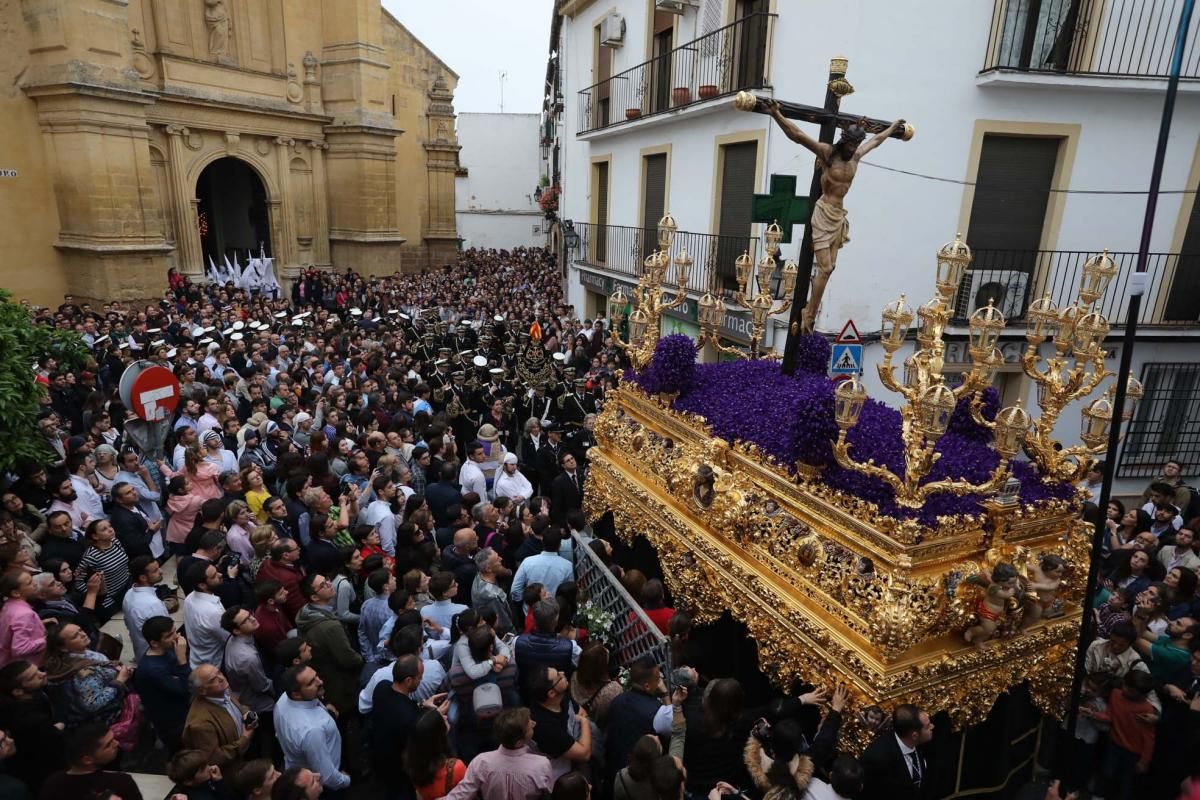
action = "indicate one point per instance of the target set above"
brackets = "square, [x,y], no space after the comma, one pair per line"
[791,419]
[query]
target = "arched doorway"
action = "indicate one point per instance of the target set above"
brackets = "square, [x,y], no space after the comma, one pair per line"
[233,212]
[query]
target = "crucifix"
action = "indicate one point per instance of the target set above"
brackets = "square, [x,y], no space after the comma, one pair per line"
[826,228]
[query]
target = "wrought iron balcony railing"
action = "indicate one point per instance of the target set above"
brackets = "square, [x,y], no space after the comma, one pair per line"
[1115,38]
[620,249]
[720,63]
[1015,278]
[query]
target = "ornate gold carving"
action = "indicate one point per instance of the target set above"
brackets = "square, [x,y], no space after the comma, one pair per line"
[829,590]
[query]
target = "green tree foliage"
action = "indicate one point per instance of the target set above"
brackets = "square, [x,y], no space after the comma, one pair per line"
[21,343]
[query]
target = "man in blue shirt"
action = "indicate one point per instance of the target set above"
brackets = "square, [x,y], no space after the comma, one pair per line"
[161,680]
[548,567]
[307,731]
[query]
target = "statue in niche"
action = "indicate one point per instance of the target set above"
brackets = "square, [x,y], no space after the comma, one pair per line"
[216,18]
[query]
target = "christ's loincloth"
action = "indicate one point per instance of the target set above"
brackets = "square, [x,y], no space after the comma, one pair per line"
[829,225]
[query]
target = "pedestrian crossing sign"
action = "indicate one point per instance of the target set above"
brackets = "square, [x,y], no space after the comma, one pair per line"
[846,359]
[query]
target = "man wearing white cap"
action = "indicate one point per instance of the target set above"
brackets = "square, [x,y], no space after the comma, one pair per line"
[215,452]
[511,483]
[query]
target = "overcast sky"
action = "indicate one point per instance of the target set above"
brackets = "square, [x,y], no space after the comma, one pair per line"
[479,39]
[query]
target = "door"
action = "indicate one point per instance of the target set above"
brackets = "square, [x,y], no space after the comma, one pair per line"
[1008,215]
[600,187]
[1183,298]
[654,198]
[750,32]
[738,162]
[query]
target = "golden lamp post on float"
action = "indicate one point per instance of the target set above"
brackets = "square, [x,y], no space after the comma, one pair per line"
[1077,332]
[929,402]
[649,301]
[762,306]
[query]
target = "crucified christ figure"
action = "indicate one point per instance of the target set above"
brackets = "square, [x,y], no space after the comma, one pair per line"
[830,228]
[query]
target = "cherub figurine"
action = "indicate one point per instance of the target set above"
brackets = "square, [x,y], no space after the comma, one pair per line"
[992,606]
[1043,588]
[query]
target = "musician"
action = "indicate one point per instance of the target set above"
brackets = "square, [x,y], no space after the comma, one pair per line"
[576,406]
[582,439]
[539,405]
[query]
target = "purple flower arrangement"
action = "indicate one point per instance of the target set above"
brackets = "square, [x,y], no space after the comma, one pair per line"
[673,367]
[790,418]
[813,352]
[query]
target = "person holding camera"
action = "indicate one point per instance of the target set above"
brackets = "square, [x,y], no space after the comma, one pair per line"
[217,725]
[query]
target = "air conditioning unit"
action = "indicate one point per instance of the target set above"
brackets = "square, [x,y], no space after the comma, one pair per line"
[612,31]
[673,6]
[1006,288]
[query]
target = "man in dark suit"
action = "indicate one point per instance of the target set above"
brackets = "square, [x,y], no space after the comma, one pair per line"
[133,530]
[549,457]
[895,768]
[566,491]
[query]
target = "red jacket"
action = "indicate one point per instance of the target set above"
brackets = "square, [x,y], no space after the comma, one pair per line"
[1128,732]
[273,627]
[289,576]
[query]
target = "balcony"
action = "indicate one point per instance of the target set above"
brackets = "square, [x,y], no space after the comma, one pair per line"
[1097,39]
[717,64]
[1013,279]
[620,250]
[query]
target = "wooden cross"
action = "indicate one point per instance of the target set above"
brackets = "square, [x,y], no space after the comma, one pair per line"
[830,118]
[782,205]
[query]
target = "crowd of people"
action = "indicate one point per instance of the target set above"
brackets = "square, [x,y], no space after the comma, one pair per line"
[351,572]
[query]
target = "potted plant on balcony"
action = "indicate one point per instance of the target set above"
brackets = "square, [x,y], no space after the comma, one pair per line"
[681,95]
[634,113]
[708,91]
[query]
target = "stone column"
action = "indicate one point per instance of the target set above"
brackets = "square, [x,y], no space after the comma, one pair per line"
[286,257]
[320,211]
[441,157]
[189,254]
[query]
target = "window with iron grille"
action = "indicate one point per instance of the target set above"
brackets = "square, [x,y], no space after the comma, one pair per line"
[1166,424]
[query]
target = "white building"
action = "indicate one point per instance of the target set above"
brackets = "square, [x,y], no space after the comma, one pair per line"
[499,173]
[1016,128]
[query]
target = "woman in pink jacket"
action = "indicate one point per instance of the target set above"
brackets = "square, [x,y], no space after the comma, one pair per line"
[22,634]
[187,490]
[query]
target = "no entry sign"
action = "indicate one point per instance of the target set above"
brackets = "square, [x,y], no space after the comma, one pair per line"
[150,391]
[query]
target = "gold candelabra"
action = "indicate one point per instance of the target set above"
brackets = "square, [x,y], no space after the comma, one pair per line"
[1078,332]
[762,305]
[649,297]
[929,402]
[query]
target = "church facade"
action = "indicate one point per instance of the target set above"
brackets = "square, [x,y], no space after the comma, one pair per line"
[140,135]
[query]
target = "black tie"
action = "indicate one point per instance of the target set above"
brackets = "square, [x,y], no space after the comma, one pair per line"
[916,767]
[575,480]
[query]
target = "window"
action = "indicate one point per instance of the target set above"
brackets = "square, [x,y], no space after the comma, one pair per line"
[1167,423]
[654,199]
[1008,215]
[751,42]
[600,211]
[603,71]
[660,68]
[738,167]
[1183,299]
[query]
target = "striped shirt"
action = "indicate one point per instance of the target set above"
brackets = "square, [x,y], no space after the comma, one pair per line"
[113,562]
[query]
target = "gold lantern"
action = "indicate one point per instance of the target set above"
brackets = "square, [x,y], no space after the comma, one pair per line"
[848,400]
[637,326]
[683,268]
[1097,419]
[1012,424]
[742,267]
[897,316]
[1098,272]
[1041,321]
[933,410]
[952,261]
[1090,330]
[985,326]
[666,232]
